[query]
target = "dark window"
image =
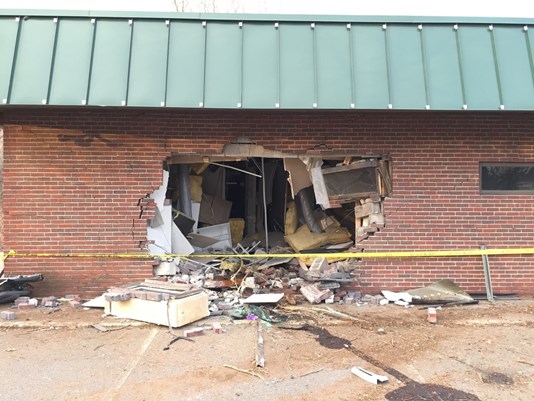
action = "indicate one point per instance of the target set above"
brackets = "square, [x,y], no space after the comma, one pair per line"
[500,177]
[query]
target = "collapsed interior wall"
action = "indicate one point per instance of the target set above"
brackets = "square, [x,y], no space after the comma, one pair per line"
[285,202]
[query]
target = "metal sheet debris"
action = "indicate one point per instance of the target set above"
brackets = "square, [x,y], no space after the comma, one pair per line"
[441,292]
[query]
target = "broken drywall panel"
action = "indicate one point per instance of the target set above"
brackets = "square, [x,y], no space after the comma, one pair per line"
[158,242]
[319,187]
[159,194]
[157,220]
[316,176]
[180,244]
[201,241]
[98,302]
[214,210]
[221,232]
[161,237]
[298,175]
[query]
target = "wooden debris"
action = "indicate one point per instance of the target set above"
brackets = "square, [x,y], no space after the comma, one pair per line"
[248,372]
[312,372]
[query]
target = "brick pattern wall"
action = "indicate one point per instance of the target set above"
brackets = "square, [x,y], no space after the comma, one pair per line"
[74,180]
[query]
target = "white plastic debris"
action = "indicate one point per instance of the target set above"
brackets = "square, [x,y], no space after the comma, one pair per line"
[369,377]
[397,296]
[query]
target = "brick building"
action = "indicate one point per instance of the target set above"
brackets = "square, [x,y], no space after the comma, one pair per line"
[447,103]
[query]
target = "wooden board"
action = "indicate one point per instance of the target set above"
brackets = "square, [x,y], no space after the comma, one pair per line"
[384,170]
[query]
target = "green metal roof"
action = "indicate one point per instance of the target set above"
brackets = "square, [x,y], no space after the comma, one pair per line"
[265,61]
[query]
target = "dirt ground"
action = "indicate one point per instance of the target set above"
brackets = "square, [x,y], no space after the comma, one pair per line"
[478,352]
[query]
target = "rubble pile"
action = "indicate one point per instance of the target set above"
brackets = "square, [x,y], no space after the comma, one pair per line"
[231,224]
[229,281]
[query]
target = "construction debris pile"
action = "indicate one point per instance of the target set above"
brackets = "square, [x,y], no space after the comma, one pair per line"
[230,217]
[233,281]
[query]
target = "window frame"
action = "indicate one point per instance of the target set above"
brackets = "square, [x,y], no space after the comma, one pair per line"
[503,191]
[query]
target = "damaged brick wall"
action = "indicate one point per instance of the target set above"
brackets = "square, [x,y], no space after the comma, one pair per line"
[74,179]
[1,189]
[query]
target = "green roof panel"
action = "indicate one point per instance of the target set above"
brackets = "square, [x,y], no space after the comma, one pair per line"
[8,37]
[33,61]
[72,62]
[297,66]
[442,67]
[223,65]
[334,83]
[260,66]
[148,66]
[516,76]
[185,76]
[265,61]
[110,64]
[478,65]
[406,71]
[370,71]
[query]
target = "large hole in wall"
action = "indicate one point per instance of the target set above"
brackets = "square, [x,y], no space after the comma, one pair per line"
[250,197]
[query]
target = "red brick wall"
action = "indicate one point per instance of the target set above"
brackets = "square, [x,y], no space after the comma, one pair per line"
[73,180]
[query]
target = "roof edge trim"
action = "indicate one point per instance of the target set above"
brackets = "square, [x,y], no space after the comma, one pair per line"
[264,17]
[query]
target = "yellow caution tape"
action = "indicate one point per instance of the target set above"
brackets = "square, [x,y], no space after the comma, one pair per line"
[345,255]
[7,255]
